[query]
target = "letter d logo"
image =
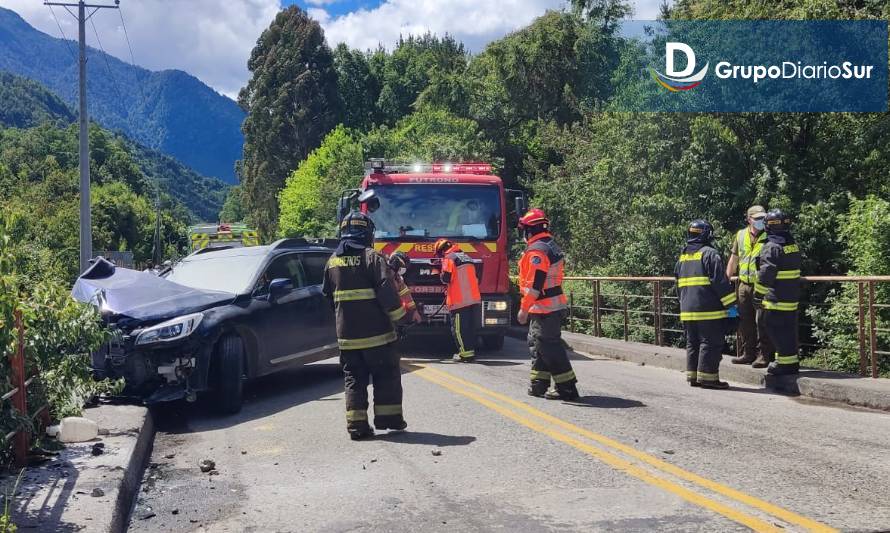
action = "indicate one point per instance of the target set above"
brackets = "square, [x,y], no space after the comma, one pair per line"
[669,54]
[676,80]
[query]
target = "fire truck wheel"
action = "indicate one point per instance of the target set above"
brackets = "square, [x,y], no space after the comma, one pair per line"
[494,343]
[229,382]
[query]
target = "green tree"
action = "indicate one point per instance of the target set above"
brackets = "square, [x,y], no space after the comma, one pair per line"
[233,210]
[358,87]
[309,200]
[291,101]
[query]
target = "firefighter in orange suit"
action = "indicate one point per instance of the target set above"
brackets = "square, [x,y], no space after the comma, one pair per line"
[461,297]
[543,304]
[398,263]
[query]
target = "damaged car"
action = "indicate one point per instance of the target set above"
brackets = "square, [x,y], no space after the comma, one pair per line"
[214,319]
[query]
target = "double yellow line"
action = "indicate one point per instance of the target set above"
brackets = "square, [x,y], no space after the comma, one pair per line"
[546,424]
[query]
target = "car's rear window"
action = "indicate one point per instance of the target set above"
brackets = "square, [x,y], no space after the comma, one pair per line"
[230,273]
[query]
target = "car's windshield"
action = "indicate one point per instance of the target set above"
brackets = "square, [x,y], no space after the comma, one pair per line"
[229,273]
[437,211]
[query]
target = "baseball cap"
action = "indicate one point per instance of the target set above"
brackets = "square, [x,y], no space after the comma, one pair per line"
[756,211]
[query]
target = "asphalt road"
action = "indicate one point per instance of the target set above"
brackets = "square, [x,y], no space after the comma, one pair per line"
[642,451]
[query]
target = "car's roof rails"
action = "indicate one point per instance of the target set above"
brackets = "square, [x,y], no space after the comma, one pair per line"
[211,249]
[303,243]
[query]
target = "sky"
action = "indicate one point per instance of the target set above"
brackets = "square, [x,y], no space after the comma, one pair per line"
[212,39]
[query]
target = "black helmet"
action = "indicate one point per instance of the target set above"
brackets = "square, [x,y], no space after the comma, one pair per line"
[777,220]
[700,230]
[398,261]
[357,226]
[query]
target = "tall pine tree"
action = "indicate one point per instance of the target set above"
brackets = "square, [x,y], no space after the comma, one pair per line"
[292,102]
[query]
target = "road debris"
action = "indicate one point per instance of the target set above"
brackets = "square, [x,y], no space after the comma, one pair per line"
[206,465]
[436,453]
[97,493]
[98,448]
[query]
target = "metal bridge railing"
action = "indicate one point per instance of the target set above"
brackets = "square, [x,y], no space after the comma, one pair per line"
[646,309]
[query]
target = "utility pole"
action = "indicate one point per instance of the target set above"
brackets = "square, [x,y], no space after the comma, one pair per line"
[86,225]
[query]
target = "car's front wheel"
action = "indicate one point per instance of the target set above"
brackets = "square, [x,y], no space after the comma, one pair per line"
[229,374]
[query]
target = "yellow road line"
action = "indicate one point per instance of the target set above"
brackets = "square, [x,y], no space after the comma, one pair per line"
[741,497]
[610,459]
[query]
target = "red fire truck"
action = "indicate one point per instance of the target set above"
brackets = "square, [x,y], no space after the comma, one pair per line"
[413,205]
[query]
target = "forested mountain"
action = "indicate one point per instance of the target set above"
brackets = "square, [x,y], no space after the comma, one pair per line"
[27,104]
[170,111]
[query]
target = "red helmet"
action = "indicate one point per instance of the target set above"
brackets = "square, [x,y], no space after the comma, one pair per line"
[442,246]
[534,217]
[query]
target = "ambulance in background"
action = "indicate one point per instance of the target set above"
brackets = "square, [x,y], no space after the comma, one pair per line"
[219,235]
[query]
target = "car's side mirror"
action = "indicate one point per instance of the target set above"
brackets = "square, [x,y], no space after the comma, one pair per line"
[279,287]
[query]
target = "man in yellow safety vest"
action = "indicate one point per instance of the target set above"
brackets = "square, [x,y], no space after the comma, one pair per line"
[754,344]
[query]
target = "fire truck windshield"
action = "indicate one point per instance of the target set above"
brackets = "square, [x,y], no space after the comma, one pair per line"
[432,211]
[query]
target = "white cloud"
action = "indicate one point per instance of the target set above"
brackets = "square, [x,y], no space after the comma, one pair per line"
[212,39]
[209,39]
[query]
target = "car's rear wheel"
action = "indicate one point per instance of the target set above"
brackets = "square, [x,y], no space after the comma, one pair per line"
[229,374]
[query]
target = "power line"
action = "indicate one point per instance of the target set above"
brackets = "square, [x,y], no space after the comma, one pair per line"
[107,65]
[132,57]
[62,32]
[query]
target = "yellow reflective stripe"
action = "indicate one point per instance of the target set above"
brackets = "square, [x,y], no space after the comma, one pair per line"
[760,289]
[540,374]
[691,374]
[791,249]
[693,281]
[788,274]
[702,315]
[729,299]
[467,354]
[356,416]
[565,376]
[367,342]
[396,314]
[351,295]
[404,291]
[787,359]
[387,410]
[691,257]
[458,338]
[705,376]
[492,246]
[780,306]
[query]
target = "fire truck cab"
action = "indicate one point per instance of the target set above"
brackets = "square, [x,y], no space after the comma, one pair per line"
[413,205]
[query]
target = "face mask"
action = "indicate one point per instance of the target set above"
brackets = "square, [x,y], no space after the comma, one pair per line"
[759,224]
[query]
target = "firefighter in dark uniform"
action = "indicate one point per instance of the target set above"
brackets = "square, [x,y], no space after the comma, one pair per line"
[707,301]
[462,298]
[543,304]
[778,288]
[360,283]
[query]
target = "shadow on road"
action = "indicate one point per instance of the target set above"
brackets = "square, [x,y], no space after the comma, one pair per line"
[262,397]
[429,439]
[606,402]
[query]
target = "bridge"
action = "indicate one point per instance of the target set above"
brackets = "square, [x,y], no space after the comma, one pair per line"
[641,450]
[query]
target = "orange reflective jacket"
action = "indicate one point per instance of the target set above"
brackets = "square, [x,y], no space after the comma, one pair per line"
[459,277]
[540,276]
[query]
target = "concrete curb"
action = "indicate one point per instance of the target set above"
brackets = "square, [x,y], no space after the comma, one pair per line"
[80,491]
[817,384]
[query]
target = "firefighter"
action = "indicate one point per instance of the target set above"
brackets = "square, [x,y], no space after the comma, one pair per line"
[398,264]
[462,298]
[367,303]
[707,300]
[543,304]
[754,344]
[778,288]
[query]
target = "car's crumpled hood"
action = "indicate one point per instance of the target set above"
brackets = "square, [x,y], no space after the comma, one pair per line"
[122,292]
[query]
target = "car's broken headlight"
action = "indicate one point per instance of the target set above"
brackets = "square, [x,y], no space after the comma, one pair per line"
[171,330]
